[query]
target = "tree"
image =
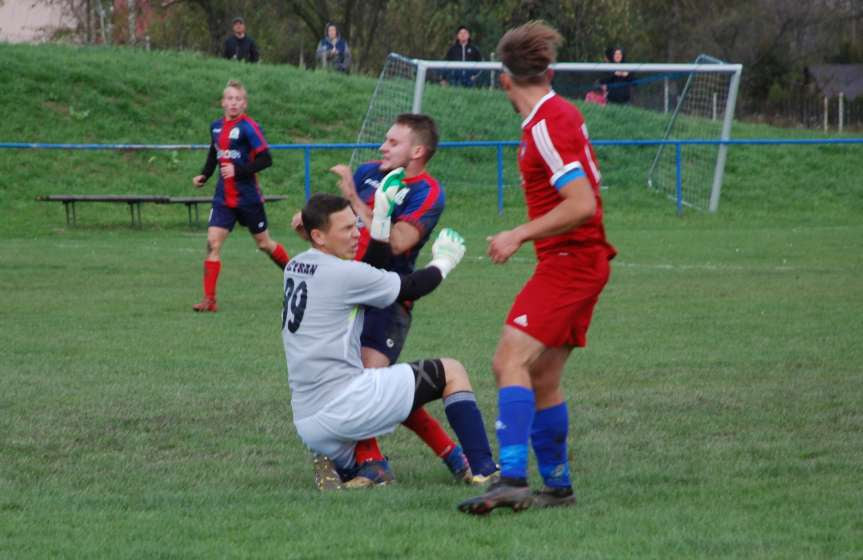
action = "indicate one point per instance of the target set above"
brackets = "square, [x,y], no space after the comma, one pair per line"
[92,19]
[358,22]
[217,18]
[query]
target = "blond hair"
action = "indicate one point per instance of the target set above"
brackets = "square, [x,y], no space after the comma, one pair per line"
[236,84]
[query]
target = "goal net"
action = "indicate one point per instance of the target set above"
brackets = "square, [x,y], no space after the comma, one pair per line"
[661,102]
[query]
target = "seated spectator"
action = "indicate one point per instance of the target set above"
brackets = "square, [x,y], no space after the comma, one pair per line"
[333,51]
[240,46]
[463,50]
[618,86]
[596,94]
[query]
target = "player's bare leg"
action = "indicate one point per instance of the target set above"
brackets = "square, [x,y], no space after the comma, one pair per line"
[427,428]
[546,374]
[374,358]
[212,266]
[269,246]
[438,379]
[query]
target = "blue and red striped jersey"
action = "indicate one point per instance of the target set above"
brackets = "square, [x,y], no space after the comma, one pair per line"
[237,141]
[422,207]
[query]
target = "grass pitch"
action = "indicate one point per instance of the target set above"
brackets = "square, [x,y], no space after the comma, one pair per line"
[715,412]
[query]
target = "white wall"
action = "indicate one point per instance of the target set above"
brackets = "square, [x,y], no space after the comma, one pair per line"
[28,21]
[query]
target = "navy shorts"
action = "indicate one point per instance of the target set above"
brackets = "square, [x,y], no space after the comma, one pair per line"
[253,217]
[386,330]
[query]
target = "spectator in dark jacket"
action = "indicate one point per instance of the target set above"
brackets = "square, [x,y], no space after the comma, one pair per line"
[618,85]
[463,50]
[240,46]
[333,51]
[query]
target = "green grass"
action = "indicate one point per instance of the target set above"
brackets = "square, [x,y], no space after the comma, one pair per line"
[716,410]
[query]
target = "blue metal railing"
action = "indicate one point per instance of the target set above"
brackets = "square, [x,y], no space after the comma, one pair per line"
[499,145]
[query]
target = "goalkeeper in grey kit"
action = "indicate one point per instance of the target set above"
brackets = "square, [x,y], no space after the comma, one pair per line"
[336,401]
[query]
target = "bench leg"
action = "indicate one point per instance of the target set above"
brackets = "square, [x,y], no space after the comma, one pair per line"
[135,209]
[69,206]
[189,206]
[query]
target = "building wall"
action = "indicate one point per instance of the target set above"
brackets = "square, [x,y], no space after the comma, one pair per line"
[29,21]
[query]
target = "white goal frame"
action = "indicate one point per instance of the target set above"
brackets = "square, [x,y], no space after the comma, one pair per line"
[703,65]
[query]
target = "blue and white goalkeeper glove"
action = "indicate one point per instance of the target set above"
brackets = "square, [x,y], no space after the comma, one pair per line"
[447,250]
[390,193]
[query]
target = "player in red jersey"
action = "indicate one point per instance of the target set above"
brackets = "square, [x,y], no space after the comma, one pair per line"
[551,314]
[238,146]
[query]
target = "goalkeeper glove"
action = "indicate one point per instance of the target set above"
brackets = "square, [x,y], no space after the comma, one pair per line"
[389,193]
[447,251]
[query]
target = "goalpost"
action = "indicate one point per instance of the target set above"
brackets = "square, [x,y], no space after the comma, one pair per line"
[667,102]
[704,94]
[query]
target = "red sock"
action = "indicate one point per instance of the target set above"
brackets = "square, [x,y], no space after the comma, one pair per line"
[367,450]
[280,256]
[430,431]
[211,275]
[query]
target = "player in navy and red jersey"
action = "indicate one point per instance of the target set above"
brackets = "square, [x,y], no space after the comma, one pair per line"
[551,314]
[238,146]
[410,143]
[421,208]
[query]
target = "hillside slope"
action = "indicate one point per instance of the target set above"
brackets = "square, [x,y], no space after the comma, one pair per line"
[65,94]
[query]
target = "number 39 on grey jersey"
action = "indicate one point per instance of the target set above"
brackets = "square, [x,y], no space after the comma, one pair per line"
[322,318]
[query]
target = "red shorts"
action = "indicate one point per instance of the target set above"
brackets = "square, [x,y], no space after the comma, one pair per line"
[556,304]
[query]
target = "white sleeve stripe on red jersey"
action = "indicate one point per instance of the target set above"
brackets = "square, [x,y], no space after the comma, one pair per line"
[593,168]
[564,170]
[589,157]
[545,146]
[551,156]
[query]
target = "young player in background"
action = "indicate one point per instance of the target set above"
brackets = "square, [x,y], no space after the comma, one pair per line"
[238,147]
[551,314]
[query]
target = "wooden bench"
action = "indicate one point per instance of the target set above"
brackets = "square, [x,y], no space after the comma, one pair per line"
[134,201]
[194,201]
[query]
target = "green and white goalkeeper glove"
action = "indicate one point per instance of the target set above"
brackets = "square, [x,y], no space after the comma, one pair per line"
[447,251]
[390,193]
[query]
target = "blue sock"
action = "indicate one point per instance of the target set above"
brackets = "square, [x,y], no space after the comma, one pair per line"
[515,416]
[466,420]
[548,436]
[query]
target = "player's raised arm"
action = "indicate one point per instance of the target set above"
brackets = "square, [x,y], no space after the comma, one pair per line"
[447,251]
[297,225]
[348,189]
[390,192]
